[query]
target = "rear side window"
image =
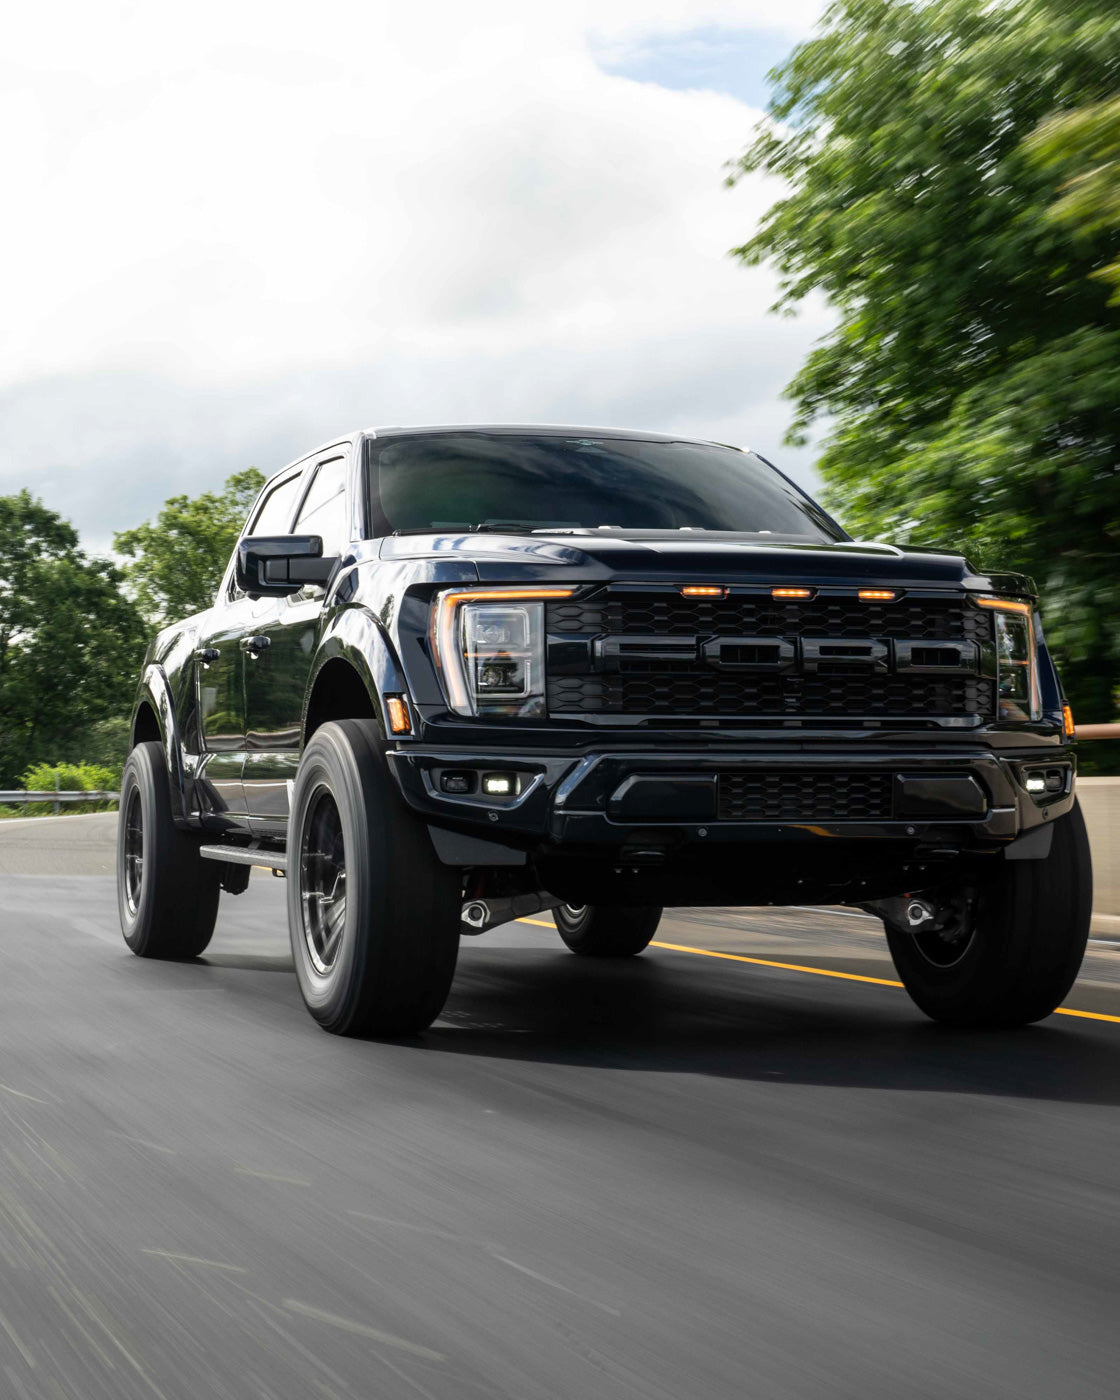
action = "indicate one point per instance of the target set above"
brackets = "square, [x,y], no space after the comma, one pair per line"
[324,507]
[275,514]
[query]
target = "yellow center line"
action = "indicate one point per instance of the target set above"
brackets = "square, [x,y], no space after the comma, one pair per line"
[1088,1015]
[818,971]
[785,967]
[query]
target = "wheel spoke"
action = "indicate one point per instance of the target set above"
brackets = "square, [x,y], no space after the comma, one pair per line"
[322,876]
[133,851]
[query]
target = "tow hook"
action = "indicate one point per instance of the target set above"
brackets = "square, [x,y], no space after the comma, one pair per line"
[918,912]
[481,914]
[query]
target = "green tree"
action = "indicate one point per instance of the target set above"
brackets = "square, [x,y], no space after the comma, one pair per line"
[969,390]
[177,560]
[70,641]
[1085,145]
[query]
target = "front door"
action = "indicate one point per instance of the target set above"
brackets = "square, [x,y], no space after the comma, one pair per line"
[278,670]
[219,677]
[221,658]
[278,658]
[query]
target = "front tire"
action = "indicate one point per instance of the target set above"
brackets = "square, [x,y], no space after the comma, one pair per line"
[1010,946]
[372,913]
[167,895]
[603,931]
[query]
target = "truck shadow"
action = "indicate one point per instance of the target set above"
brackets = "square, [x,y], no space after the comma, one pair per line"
[649,1014]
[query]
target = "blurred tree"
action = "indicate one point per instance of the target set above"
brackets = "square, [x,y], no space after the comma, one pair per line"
[1085,146]
[179,558]
[970,387]
[70,641]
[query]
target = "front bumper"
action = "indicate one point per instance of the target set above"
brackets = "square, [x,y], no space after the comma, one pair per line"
[971,801]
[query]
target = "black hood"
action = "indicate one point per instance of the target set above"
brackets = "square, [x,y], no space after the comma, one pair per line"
[658,556]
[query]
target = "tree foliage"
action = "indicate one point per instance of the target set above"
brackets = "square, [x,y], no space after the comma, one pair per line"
[1085,144]
[177,560]
[70,777]
[70,640]
[969,389]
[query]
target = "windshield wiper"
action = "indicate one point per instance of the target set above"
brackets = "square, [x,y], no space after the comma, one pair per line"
[632,529]
[463,527]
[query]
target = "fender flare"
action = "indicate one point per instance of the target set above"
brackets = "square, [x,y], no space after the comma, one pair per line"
[355,636]
[155,688]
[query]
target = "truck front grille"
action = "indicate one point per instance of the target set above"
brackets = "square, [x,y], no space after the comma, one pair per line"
[651,656]
[668,615]
[825,795]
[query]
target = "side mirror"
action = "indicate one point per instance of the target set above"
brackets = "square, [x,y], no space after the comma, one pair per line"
[277,565]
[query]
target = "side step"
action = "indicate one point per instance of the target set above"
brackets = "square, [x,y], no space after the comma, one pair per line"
[246,855]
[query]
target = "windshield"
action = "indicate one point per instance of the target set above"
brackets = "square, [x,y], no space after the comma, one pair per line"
[467,480]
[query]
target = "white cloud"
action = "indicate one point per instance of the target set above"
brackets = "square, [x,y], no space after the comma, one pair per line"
[237,228]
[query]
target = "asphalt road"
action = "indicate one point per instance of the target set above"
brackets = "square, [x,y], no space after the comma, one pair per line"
[684,1176]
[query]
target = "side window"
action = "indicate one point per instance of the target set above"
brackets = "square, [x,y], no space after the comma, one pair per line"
[275,514]
[324,507]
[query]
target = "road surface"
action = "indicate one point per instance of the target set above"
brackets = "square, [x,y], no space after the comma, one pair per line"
[685,1177]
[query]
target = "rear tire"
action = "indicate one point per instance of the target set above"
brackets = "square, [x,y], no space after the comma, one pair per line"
[372,913]
[167,895]
[1019,939]
[602,931]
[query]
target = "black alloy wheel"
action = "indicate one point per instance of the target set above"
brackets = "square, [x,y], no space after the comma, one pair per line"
[132,835]
[945,935]
[167,895]
[607,931]
[373,913]
[1003,948]
[323,881]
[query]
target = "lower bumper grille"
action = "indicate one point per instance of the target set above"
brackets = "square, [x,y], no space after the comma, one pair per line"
[823,795]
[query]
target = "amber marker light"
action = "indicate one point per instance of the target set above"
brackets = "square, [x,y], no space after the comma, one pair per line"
[1067,722]
[703,590]
[1005,605]
[791,593]
[877,595]
[400,721]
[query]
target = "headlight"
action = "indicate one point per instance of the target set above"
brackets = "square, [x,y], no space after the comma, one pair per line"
[489,646]
[1016,660]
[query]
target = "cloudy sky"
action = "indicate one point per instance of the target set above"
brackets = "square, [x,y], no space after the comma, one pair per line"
[235,228]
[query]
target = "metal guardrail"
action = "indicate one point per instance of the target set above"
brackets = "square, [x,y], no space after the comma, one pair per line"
[54,795]
[22,797]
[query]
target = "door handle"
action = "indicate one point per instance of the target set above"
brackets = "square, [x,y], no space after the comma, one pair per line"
[207,654]
[254,644]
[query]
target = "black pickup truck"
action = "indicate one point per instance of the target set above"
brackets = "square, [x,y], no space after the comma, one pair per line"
[456,675]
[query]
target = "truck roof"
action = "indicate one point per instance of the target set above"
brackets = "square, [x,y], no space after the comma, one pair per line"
[496,429]
[541,429]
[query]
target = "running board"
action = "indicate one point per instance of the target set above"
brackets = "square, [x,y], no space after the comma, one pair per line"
[245,855]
